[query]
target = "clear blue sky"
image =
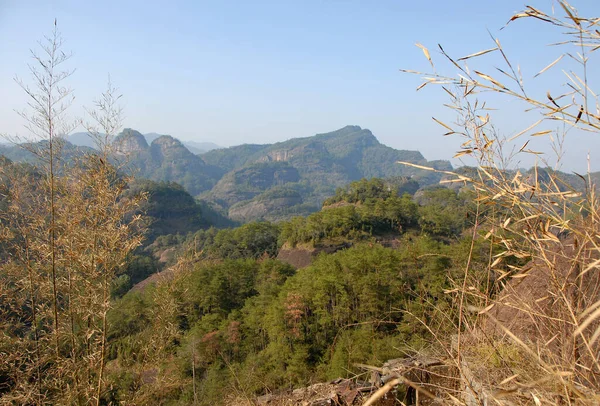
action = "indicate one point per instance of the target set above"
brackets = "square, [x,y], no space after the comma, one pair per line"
[235,72]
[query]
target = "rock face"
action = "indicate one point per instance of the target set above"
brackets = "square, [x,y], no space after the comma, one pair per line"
[341,392]
[130,142]
[262,208]
[248,182]
[165,159]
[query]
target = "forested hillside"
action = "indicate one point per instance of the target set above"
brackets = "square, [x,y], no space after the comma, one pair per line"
[294,177]
[235,322]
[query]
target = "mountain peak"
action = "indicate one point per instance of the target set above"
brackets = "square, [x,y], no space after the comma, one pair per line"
[130,140]
[167,141]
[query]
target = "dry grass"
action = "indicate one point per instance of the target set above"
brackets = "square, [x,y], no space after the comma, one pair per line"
[537,340]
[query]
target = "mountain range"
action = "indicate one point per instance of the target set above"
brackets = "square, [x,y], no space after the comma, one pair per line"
[273,181]
[82,139]
[262,181]
[266,181]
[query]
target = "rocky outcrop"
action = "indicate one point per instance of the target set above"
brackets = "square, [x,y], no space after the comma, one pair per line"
[129,142]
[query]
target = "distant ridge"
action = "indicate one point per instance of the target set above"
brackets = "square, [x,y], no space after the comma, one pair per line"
[270,181]
[83,139]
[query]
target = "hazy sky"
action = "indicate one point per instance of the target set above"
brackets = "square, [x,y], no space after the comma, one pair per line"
[234,72]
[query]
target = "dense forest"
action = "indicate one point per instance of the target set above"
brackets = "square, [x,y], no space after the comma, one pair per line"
[242,323]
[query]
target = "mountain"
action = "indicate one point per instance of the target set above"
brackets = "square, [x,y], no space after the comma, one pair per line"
[83,139]
[165,159]
[200,147]
[193,146]
[31,152]
[271,181]
[279,180]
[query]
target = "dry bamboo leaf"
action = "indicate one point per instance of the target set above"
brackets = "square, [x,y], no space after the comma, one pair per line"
[551,236]
[442,124]
[595,336]
[520,276]
[552,100]
[450,93]
[411,71]
[516,16]
[579,115]
[487,309]
[590,309]
[491,79]
[463,152]
[552,338]
[595,264]
[571,16]
[451,181]
[477,54]
[426,52]
[572,80]
[504,275]
[583,84]
[549,66]
[525,130]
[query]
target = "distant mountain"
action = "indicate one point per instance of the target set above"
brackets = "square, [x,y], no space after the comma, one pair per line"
[201,147]
[83,139]
[300,173]
[165,159]
[194,146]
[272,181]
[30,152]
[152,136]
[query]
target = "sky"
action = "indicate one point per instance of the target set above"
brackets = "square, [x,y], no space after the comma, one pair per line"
[233,72]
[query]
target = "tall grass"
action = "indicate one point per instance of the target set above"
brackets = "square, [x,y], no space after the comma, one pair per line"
[527,332]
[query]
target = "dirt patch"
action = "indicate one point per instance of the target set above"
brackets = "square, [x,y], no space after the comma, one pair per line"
[302,256]
[166,275]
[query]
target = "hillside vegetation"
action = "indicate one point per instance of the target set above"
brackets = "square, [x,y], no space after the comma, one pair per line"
[235,322]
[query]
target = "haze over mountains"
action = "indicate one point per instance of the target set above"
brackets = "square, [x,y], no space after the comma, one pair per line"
[83,139]
[268,181]
[264,181]
[273,181]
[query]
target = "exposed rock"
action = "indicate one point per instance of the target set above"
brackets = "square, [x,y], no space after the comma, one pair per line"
[130,141]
